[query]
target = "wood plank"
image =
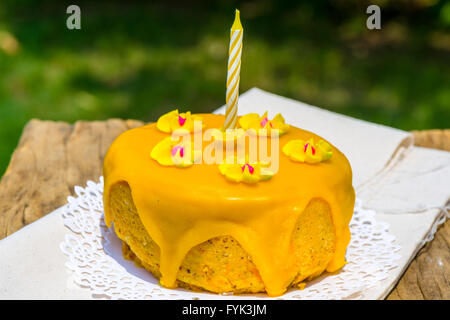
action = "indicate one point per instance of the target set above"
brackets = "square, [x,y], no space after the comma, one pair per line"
[436,139]
[428,275]
[52,158]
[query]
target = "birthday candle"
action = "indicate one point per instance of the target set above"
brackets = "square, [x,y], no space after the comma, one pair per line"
[233,75]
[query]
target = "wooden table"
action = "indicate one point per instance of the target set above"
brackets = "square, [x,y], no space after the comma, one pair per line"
[53,157]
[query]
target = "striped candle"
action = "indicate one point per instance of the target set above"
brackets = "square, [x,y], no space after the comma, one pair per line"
[233,75]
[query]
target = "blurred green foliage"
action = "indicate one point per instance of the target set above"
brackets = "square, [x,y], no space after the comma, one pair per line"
[139,59]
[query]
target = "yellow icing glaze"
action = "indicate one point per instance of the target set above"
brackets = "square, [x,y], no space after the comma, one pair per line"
[181,208]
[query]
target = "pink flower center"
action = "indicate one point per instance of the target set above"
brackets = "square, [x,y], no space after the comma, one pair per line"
[181,120]
[175,150]
[312,148]
[250,168]
[264,122]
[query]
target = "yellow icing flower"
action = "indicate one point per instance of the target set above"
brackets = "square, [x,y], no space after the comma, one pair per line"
[173,120]
[171,153]
[254,121]
[309,152]
[245,172]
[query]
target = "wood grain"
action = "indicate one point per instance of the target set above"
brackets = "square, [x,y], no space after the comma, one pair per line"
[428,275]
[53,157]
[436,139]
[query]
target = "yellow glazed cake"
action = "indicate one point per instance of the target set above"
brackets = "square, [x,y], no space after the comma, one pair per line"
[229,228]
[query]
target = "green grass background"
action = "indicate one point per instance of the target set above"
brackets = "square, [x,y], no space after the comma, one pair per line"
[140,59]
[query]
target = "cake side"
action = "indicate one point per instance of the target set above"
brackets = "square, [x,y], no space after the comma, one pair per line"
[221,264]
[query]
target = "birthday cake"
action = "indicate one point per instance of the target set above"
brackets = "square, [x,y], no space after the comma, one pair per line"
[260,208]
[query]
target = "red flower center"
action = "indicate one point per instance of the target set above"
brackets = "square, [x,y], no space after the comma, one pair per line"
[312,148]
[250,168]
[181,120]
[175,149]
[264,122]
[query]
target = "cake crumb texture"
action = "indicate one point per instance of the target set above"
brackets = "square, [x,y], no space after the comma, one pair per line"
[220,264]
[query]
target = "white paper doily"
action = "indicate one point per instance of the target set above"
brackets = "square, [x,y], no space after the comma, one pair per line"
[95,257]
